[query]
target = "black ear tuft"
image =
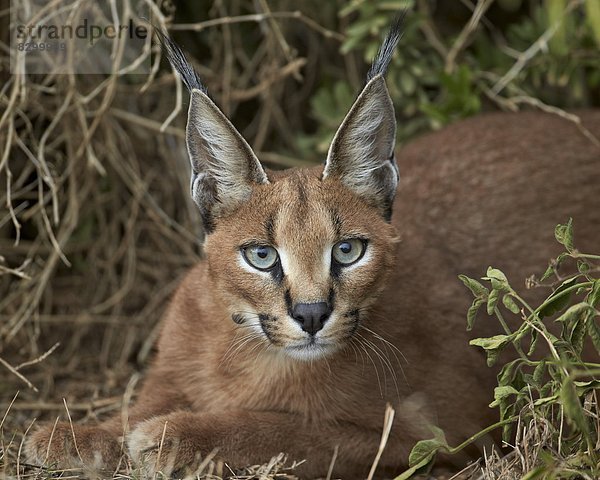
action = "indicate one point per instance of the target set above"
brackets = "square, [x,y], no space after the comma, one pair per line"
[178,61]
[384,55]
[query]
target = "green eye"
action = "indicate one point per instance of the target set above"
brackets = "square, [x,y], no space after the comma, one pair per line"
[349,251]
[262,257]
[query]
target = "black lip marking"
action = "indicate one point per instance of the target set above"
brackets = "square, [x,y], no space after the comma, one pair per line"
[267,333]
[238,318]
[265,321]
[354,315]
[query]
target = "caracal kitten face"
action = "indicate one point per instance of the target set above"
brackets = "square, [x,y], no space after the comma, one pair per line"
[300,263]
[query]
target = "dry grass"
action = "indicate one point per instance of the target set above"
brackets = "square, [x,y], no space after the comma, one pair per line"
[537,447]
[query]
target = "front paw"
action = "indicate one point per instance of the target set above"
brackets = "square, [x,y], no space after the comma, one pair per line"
[62,446]
[168,445]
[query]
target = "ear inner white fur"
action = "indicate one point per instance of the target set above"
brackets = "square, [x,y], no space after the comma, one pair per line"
[224,167]
[361,154]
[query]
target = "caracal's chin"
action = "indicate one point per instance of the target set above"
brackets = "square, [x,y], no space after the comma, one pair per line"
[312,349]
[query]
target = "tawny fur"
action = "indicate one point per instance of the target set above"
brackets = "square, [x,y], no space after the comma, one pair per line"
[485,191]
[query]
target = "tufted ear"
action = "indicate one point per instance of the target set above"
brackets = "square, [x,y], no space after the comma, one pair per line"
[224,167]
[361,154]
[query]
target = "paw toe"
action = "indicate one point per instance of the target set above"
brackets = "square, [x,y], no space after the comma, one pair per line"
[158,446]
[63,446]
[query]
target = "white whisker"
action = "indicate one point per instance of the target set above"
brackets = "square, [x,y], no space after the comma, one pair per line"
[393,348]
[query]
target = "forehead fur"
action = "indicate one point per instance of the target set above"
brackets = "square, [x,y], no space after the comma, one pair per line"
[298,204]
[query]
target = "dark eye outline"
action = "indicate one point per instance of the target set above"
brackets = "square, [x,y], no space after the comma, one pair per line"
[364,243]
[243,249]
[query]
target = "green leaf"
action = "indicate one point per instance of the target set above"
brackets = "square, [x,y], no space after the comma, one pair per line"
[510,304]
[492,356]
[572,406]
[506,412]
[547,389]
[427,448]
[574,313]
[557,301]
[548,273]
[501,393]
[584,387]
[538,372]
[423,450]
[563,348]
[507,374]
[477,289]
[422,455]
[593,331]
[491,343]
[472,312]
[498,279]
[560,259]
[423,465]
[594,296]
[564,234]
[492,346]
[583,266]
[556,373]
[492,301]
[577,336]
[545,400]
[534,342]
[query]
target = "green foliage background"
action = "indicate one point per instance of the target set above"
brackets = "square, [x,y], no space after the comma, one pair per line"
[446,66]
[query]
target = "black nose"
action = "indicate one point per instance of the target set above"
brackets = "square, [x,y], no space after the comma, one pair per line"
[311,316]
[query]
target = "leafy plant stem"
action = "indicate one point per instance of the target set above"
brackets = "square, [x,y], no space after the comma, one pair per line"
[554,392]
[543,332]
[586,373]
[481,433]
[585,255]
[562,293]
[508,331]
